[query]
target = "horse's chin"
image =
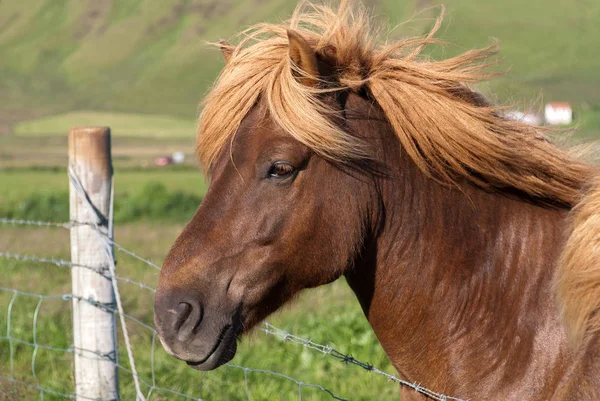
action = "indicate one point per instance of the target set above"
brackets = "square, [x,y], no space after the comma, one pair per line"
[223,352]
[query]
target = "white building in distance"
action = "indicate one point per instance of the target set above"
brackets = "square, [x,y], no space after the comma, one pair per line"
[558,113]
[528,118]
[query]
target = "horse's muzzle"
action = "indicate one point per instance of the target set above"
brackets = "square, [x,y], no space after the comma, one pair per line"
[205,338]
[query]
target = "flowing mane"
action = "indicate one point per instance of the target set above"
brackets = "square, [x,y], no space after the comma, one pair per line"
[448,130]
[444,126]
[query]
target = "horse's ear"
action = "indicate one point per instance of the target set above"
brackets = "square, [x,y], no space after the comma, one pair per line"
[304,57]
[226,50]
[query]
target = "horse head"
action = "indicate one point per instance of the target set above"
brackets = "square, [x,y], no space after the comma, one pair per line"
[277,218]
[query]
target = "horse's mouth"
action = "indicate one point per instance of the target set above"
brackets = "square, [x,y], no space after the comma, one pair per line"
[223,351]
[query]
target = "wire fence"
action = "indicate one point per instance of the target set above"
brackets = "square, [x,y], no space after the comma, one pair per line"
[26,338]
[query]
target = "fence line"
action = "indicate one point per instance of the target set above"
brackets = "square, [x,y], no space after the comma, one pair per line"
[151,386]
[266,328]
[68,264]
[68,226]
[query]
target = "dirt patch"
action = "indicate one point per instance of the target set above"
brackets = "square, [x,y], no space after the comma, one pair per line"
[5,129]
[8,22]
[15,391]
[8,118]
[422,4]
[209,10]
[95,19]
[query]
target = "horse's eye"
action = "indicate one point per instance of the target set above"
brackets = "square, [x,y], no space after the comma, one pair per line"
[281,170]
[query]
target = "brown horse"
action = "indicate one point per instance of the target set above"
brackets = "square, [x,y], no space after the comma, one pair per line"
[470,240]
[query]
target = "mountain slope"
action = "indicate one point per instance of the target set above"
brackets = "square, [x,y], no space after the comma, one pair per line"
[150,57]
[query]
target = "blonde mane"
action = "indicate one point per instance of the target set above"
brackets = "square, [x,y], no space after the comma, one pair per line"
[445,127]
[445,130]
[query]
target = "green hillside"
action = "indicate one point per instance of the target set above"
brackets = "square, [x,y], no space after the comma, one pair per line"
[139,56]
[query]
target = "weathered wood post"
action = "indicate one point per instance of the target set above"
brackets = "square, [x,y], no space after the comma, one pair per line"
[94,324]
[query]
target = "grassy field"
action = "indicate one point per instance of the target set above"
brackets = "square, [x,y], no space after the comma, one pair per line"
[23,182]
[334,319]
[43,152]
[121,124]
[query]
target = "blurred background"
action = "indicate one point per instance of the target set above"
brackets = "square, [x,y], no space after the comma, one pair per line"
[142,67]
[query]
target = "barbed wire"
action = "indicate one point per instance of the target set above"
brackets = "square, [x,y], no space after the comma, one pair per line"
[348,359]
[71,224]
[92,354]
[266,328]
[88,354]
[69,264]
[299,383]
[55,224]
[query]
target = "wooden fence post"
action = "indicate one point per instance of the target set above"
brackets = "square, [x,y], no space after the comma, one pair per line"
[94,324]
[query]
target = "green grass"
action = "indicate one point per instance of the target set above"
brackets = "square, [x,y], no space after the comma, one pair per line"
[121,124]
[152,201]
[589,124]
[170,196]
[128,57]
[19,183]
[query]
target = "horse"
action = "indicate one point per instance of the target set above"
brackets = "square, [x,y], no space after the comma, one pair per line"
[470,239]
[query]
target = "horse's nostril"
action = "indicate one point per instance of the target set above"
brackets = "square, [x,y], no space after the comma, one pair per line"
[183,311]
[189,316]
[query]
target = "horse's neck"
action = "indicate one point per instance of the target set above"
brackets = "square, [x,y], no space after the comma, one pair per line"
[458,283]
